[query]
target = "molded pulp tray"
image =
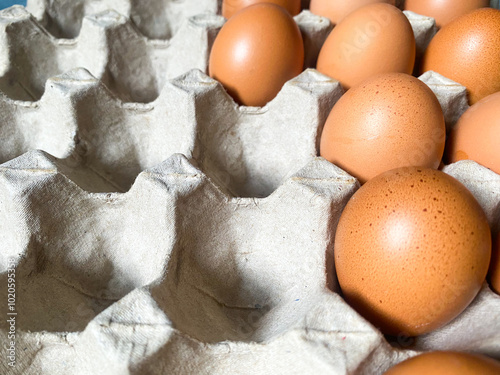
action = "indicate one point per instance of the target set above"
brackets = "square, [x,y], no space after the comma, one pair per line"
[156,227]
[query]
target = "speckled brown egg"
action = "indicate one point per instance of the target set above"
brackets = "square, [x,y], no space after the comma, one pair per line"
[412,250]
[447,363]
[467,50]
[444,11]
[494,274]
[337,10]
[375,39]
[256,52]
[477,133]
[230,7]
[389,121]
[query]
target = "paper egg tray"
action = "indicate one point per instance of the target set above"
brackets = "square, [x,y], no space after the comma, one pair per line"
[185,234]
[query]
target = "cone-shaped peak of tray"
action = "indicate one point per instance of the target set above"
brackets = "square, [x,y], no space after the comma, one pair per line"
[14,13]
[108,18]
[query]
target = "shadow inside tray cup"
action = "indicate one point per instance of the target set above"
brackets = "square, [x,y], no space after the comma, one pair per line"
[79,251]
[225,301]
[45,303]
[250,269]
[250,151]
[33,56]
[156,19]
[236,275]
[61,19]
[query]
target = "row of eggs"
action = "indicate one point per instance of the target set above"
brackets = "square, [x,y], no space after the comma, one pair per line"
[443,11]
[413,246]
[260,48]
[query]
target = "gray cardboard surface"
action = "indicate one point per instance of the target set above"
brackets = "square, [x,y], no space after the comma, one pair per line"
[157,227]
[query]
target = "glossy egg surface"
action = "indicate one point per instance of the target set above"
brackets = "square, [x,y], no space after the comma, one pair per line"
[389,121]
[230,7]
[375,39]
[444,11]
[467,50]
[256,52]
[447,363]
[476,135]
[412,250]
[337,10]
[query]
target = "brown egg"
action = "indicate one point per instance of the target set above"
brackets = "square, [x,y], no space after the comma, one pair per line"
[230,7]
[494,274]
[375,39]
[389,121]
[412,250]
[256,52]
[337,10]
[443,11]
[477,133]
[467,50]
[447,363]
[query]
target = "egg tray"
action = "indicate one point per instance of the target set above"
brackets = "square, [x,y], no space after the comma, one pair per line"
[109,46]
[88,121]
[117,50]
[161,19]
[189,235]
[133,57]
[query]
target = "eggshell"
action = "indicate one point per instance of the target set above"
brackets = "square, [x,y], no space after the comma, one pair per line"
[444,11]
[412,250]
[375,39]
[447,363]
[476,135]
[494,274]
[230,7]
[337,10]
[256,52]
[389,121]
[467,50]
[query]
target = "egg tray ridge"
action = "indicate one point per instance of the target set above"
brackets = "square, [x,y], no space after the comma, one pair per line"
[151,318]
